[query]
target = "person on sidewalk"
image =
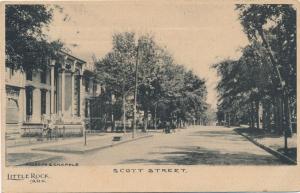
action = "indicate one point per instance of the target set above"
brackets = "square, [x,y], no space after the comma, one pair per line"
[167,126]
[173,126]
[45,129]
[50,128]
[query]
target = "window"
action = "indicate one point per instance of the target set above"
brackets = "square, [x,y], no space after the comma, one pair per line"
[86,112]
[87,85]
[43,75]
[29,100]
[94,88]
[29,75]
[43,101]
[11,72]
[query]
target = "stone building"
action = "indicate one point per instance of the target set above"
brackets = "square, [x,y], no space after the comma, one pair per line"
[58,94]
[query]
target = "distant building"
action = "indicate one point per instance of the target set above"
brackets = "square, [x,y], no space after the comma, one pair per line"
[60,93]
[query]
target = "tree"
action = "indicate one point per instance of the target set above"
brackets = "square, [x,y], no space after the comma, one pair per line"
[264,76]
[148,86]
[182,92]
[26,45]
[194,94]
[245,83]
[116,69]
[275,26]
[161,83]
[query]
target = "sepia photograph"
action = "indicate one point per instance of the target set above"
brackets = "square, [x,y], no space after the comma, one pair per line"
[150,83]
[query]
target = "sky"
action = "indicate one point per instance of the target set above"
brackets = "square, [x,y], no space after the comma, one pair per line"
[196,34]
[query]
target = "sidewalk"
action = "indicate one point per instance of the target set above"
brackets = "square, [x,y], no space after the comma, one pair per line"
[272,143]
[30,141]
[94,144]
[21,155]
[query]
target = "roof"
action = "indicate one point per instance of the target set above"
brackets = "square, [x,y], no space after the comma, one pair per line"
[73,57]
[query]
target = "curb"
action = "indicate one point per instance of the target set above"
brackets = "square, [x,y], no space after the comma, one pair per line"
[270,150]
[94,148]
[38,160]
[43,142]
[112,145]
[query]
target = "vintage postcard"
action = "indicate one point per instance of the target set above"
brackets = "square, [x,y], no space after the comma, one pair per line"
[149,96]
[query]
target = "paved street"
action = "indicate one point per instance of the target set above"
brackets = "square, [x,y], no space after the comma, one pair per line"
[193,146]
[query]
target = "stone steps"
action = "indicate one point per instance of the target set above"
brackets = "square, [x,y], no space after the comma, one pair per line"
[12,132]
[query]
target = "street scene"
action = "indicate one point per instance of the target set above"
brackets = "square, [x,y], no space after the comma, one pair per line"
[185,84]
[195,145]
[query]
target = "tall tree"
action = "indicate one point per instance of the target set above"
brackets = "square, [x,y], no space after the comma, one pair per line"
[162,84]
[116,69]
[26,45]
[148,87]
[275,26]
[244,83]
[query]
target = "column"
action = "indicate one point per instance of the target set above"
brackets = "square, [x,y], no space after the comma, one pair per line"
[36,105]
[63,91]
[81,90]
[72,94]
[21,106]
[24,98]
[25,107]
[58,94]
[52,87]
[48,103]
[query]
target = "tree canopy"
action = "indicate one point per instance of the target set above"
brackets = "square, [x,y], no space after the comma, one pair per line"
[165,89]
[26,46]
[265,75]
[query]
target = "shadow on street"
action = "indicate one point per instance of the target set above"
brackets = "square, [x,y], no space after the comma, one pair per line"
[198,155]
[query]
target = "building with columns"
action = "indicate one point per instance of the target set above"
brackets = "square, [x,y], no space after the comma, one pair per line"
[56,94]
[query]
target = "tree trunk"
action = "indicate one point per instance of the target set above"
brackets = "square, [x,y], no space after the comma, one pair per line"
[155,118]
[112,119]
[287,117]
[124,113]
[271,56]
[250,118]
[280,115]
[287,121]
[285,108]
[268,120]
[276,114]
[112,122]
[252,115]
[257,113]
[229,119]
[145,120]
[266,115]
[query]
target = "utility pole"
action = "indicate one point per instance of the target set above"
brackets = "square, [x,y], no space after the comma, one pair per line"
[135,90]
